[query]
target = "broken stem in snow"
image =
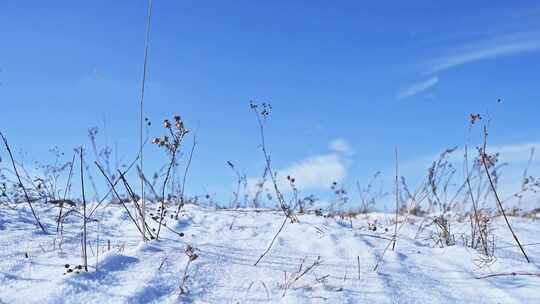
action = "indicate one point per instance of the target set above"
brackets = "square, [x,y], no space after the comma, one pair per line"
[536,274]
[272,242]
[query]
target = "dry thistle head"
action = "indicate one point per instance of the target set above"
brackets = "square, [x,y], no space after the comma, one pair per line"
[179,124]
[489,159]
[266,108]
[175,135]
[473,118]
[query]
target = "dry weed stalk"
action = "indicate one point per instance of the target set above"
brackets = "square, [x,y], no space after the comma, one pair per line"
[397,203]
[186,170]
[416,199]
[487,163]
[84,232]
[192,256]
[368,198]
[294,277]
[132,195]
[172,147]
[141,113]
[287,211]
[241,180]
[112,186]
[516,273]
[61,204]
[38,222]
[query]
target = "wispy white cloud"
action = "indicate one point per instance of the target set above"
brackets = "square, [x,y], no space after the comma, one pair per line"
[340,145]
[314,173]
[516,156]
[515,153]
[418,88]
[503,45]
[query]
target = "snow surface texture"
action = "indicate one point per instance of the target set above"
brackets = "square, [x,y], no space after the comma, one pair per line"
[32,266]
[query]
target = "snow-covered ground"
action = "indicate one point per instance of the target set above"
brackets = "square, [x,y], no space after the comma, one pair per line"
[227,243]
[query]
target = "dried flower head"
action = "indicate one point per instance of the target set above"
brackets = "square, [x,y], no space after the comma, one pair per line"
[179,125]
[489,159]
[474,118]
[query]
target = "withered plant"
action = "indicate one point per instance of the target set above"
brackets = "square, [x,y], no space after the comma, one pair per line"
[262,113]
[369,196]
[171,143]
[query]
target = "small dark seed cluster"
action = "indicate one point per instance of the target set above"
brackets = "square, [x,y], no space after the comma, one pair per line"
[73,268]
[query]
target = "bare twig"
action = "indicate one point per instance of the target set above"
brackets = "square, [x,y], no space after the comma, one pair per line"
[272,242]
[299,274]
[536,274]
[162,262]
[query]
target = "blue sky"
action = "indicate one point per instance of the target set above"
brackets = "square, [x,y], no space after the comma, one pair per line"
[348,81]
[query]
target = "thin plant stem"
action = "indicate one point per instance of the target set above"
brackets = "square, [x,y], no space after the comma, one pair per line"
[65,193]
[141,120]
[499,204]
[397,203]
[85,256]
[21,184]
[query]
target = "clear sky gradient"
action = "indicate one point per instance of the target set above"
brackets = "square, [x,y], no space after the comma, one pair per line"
[348,81]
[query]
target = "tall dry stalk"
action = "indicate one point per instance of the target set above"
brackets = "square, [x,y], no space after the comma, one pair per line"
[397,203]
[288,213]
[486,161]
[141,118]
[84,235]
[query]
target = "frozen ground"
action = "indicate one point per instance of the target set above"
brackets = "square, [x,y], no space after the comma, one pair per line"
[229,242]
